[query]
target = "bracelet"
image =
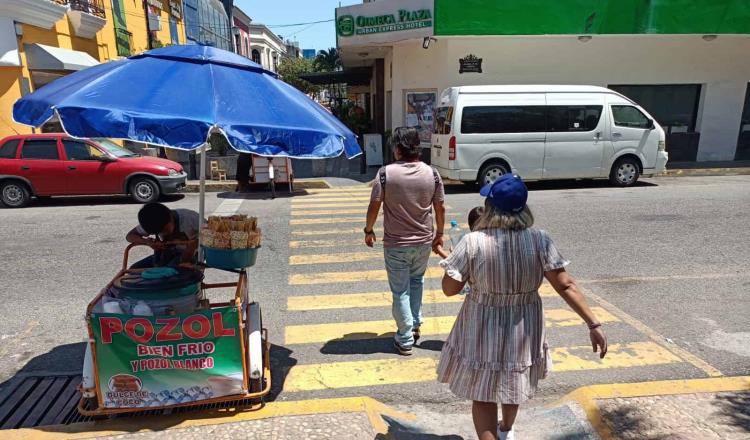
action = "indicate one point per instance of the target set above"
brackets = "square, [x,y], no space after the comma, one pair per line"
[595,325]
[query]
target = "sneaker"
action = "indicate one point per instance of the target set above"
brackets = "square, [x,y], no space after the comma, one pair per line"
[404,350]
[416,334]
[505,435]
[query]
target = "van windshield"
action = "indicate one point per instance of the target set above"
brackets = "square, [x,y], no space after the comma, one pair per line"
[443,119]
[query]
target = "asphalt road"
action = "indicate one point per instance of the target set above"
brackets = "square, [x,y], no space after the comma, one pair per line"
[666,261]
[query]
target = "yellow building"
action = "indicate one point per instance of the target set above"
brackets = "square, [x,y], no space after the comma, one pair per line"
[41,40]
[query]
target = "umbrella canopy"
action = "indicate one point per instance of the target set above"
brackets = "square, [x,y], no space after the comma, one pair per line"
[177,95]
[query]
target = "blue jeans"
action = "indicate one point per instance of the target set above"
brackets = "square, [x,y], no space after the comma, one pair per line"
[406,267]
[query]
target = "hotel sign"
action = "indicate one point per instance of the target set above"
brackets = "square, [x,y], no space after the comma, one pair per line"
[384,21]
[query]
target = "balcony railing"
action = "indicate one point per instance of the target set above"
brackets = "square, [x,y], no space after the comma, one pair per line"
[93,7]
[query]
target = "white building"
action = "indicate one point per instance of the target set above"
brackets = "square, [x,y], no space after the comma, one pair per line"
[266,48]
[687,64]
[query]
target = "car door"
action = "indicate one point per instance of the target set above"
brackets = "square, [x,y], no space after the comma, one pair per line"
[40,163]
[86,168]
[575,143]
[634,131]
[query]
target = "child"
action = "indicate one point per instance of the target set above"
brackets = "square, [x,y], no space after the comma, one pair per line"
[166,225]
[474,215]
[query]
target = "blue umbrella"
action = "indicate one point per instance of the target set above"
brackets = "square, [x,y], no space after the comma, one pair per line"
[177,95]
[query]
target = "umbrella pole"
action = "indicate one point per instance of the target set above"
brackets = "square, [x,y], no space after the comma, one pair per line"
[202,200]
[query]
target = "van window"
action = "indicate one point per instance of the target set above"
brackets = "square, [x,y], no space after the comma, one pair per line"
[629,116]
[39,149]
[503,119]
[573,117]
[443,120]
[8,150]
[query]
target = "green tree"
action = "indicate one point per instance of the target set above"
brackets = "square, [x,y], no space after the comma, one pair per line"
[328,60]
[290,71]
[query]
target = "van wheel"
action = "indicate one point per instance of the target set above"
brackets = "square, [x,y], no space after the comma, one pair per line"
[625,172]
[144,190]
[490,172]
[15,194]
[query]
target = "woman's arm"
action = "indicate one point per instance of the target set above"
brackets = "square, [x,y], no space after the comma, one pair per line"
[452,287]
[565,285]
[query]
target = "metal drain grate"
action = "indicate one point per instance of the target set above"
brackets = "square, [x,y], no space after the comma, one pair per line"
[32,401]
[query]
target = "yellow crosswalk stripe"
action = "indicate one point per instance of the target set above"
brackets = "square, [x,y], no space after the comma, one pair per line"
[306,244]
[300,213]
[329,199]
[337,231]
[375,299]
[398,370]
[350,257]
[351,277]
[340,189]
[328,220]
[346,204]
[432,326]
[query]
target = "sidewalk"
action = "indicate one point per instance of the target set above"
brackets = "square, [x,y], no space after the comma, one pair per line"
[715,408]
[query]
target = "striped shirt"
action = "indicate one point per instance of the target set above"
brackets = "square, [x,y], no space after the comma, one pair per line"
[497,349]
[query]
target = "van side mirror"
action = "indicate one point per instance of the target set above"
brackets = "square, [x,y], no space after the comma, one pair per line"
[650,124]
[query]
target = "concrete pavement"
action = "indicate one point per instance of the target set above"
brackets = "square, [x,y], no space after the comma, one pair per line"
[665,262]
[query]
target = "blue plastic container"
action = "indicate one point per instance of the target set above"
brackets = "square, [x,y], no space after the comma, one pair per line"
[229,258]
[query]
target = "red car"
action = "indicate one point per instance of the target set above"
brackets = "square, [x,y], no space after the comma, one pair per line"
[54,164]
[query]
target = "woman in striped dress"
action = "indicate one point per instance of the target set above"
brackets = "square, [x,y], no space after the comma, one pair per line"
[497,350]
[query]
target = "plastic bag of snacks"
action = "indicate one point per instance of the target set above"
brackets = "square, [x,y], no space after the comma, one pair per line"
[231,232]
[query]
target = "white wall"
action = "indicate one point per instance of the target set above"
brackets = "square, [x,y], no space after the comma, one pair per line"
[722,66]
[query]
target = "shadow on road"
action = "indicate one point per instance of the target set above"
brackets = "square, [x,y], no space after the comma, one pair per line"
[401,431]
[736,407]
[52,202]
[281,363]
[258,195]
[371,343]
[549,185]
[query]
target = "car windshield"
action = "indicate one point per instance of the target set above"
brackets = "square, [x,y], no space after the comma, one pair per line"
[114,149]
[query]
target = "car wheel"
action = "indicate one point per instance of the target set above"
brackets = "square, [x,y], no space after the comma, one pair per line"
[144,190]
[15,194]
[490,172]
[625,172]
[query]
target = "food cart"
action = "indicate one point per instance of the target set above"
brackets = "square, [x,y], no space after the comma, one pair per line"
[162,337]
[187,349]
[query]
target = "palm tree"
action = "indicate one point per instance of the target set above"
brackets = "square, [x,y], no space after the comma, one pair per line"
[328,60]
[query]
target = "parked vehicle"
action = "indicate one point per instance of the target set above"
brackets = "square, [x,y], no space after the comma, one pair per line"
[544,132]
[54,164]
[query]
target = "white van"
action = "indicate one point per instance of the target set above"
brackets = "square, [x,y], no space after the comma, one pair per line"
[544,132]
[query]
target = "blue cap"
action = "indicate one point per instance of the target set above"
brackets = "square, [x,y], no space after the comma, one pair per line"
[508,193]
[454,223]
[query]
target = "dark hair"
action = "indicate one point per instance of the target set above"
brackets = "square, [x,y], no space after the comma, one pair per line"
[474,215]
[407,141]
[153,217]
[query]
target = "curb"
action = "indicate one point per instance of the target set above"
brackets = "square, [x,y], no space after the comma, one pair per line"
[687,172]
[102,428]
[229,186]
[587,396]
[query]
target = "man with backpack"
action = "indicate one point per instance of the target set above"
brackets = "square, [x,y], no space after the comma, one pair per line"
[409,190]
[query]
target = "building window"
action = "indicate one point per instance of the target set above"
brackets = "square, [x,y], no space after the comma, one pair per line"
[256,56]
[503,119]
[743,143]
[123,38]
[190,9]
[675,108]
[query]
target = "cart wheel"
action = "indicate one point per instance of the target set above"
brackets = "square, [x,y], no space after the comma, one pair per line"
[256,385]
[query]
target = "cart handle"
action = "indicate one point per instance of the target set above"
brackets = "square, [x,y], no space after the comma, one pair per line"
[130,246]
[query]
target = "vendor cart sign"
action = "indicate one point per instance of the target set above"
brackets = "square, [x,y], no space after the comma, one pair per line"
[384,21]
[144,361]
[470,64]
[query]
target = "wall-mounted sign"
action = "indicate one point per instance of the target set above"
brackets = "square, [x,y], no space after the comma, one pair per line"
[419,112]
[470,64]
[384,21]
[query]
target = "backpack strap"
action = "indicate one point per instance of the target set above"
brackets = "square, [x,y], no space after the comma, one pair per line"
[381,176]
[436,177]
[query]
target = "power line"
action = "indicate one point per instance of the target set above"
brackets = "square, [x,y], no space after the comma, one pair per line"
[300,24]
